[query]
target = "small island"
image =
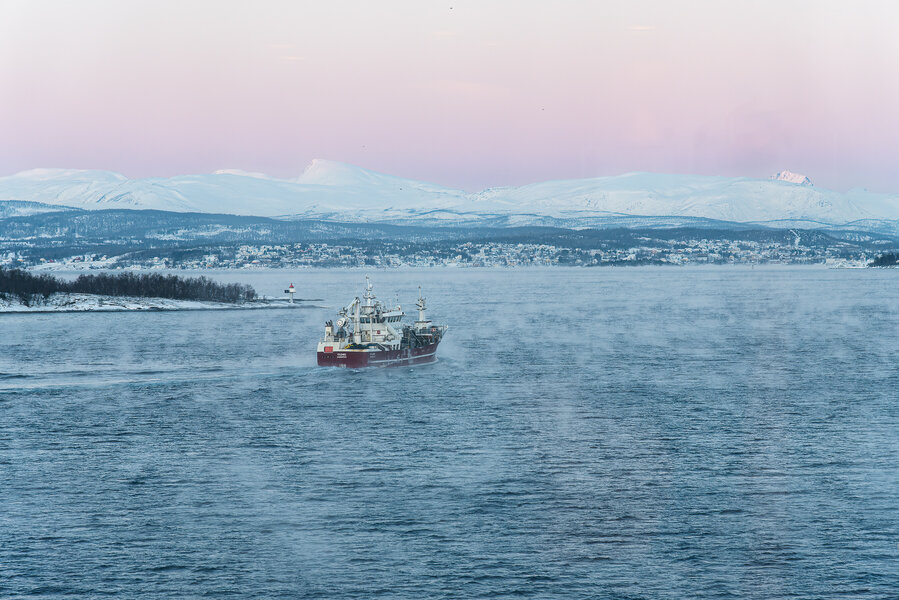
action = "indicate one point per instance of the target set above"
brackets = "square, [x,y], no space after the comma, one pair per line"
[21,291]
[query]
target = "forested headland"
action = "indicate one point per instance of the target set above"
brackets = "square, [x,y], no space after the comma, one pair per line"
[28,286]
[885,260]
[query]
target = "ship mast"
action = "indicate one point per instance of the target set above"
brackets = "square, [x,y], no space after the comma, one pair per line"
[357,329]
[421,306]
[371,311]
[422,322]
[368,295]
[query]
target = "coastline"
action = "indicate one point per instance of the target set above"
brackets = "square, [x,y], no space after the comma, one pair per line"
[70,303]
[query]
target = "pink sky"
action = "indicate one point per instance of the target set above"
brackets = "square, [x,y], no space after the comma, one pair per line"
[462,93]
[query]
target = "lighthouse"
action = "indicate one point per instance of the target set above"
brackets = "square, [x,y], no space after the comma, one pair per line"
[292,291]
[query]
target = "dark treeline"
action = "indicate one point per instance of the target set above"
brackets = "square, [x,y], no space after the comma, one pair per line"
[167,229]
[26,286]
[886,260]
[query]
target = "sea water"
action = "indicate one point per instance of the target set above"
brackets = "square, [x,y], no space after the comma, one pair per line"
[608,433]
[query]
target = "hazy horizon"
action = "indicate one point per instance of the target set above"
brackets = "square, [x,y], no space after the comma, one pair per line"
[294,177]
[463,94]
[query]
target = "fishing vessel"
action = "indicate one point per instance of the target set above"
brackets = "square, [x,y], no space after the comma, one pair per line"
[370,334]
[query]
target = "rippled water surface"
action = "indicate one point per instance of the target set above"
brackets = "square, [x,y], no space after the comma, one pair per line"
[607,433]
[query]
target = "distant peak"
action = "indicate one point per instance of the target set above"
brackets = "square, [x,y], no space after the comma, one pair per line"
[46,174]
[331,172]
[242,173]
[791,177]
[324,163]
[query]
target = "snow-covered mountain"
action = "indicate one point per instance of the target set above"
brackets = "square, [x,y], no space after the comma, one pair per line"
[338,191]
[326,188]
[792,178]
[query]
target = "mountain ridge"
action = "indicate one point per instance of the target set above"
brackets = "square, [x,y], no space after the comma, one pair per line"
[329,189]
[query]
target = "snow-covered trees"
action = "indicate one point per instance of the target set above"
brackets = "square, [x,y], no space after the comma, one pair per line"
[26,286]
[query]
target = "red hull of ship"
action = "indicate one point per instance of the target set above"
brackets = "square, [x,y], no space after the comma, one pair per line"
[356,359]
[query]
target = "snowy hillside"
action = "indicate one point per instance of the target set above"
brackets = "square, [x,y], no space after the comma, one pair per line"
[332,190]
[18,208]
[326,188]
[791,177]
[738,199]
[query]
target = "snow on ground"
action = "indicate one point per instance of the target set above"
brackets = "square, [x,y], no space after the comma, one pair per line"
[77,263]
[95,303]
